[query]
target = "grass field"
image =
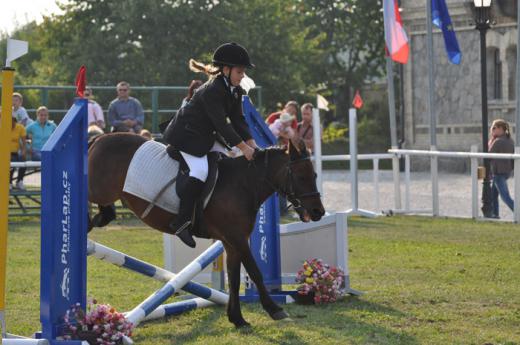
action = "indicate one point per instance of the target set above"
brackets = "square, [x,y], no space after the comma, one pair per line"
[426,281]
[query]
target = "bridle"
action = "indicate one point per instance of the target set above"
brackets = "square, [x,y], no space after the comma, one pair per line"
[287,189]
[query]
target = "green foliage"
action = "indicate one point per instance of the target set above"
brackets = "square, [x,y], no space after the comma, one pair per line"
[335,131]
[299,46]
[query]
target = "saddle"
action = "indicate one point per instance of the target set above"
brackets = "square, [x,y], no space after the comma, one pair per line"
[199,228]
[155,177]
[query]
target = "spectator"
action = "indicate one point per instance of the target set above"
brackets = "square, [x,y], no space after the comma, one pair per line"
[281,128]
[18,152]
[501,169]
[125,113]
[291,107]
[39,132]
[94,131]
[304,130]
[194,85]
[146,134]
[95,113]
[19,111]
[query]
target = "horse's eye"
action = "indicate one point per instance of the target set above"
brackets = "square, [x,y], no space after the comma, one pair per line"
[315,176]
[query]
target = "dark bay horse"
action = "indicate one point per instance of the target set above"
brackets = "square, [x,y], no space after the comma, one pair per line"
[230,215]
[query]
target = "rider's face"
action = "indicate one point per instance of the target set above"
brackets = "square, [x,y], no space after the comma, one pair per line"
[237,73]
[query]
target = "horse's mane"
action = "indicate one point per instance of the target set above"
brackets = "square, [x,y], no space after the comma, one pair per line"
[241,163]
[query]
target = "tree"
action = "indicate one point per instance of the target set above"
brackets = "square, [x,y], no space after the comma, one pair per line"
[354,44]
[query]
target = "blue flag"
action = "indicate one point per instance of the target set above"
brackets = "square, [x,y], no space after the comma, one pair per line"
[441,19]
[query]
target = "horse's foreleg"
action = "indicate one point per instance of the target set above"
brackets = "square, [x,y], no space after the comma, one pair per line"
[233,308]
[274,310]
[105,215]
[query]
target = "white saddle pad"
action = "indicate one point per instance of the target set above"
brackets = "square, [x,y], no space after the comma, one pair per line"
[150,170]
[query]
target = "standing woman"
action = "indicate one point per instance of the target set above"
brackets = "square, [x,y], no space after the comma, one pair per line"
[212,118]
[501,169]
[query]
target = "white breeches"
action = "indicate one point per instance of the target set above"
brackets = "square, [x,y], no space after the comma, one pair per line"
[199,165]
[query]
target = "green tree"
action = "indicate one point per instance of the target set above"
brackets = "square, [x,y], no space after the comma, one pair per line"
[353,43]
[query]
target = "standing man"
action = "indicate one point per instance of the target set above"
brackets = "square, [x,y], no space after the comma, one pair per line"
[125,113]
[304,130]
[39,132]
[19,111]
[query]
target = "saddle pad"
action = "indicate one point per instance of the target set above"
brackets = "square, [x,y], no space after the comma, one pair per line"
[150,170]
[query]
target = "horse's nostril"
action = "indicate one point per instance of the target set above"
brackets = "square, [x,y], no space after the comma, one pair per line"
[317,212]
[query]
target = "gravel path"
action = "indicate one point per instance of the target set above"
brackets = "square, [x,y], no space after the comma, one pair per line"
[454,192]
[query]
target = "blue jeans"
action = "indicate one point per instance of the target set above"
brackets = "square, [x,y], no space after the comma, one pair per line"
[500,188]
[36,155]
[21,171]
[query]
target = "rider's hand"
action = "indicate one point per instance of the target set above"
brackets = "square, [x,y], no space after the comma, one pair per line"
[248,152]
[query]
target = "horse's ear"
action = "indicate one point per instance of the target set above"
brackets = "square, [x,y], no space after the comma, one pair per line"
[293,151]
[303,149]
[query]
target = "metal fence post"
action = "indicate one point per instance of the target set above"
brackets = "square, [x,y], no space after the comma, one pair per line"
[376,182]
[407,183]
[434,168]
[155,110]
[474,184]
[517,186]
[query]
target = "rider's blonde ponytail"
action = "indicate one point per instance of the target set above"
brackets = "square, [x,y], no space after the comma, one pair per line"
[209,69]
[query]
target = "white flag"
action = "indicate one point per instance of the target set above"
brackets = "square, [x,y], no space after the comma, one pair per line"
[15,49]
[322,103]
[247,83]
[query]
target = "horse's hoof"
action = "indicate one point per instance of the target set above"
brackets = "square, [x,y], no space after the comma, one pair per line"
[244,325]
[280,315]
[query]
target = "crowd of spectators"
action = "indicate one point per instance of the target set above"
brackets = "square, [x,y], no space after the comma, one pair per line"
[28,136]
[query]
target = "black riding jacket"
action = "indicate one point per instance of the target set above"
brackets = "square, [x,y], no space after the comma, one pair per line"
[213,112]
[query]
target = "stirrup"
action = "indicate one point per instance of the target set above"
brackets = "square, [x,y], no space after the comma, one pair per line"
[183,233]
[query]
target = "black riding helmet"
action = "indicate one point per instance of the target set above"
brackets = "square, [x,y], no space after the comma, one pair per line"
[232,54]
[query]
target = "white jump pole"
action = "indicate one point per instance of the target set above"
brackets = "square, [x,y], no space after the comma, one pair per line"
[140,312]
[355,210]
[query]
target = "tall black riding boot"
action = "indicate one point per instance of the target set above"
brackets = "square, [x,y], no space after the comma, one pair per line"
[182,225]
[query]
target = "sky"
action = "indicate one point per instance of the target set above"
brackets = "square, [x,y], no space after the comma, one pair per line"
[15,13]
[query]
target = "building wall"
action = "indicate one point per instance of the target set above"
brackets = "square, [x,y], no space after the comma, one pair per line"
[457,95]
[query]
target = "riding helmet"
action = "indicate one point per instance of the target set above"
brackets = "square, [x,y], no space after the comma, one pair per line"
[232,54]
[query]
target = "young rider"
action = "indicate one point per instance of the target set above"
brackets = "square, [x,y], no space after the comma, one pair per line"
[213,114]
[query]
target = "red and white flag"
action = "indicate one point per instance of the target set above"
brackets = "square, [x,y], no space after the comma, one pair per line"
[395,36]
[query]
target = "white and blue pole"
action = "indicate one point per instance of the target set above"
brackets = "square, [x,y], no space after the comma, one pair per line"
[144,309]
[119,259]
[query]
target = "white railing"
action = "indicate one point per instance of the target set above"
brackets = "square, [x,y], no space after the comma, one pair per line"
[27,164]
[473,156]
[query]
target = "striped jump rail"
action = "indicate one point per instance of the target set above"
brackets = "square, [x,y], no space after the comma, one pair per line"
[120,259]
[140,312]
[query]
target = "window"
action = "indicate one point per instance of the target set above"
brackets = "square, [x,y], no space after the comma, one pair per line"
[494,73]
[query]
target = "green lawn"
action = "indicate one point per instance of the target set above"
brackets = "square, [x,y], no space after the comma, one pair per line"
[427,281]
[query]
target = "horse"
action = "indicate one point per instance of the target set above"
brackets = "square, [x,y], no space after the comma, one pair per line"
[230,214]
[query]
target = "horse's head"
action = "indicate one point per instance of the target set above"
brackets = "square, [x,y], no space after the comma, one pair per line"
[301,184]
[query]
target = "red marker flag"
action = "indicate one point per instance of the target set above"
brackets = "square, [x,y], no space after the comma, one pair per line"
[358,101]
[81,81]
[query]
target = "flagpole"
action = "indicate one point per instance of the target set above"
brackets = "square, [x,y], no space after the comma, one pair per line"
[517,122]
[393,132]
[431,113]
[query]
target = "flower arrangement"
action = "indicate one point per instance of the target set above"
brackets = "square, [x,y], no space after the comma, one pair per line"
[320,280]
[100,325]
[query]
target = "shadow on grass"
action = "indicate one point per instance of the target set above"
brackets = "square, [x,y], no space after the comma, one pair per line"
[345,322]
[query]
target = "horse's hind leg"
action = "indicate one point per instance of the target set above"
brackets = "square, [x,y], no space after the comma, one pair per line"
[105,215]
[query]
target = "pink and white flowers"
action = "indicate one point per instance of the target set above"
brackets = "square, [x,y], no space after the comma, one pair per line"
[322,280]
[101,320]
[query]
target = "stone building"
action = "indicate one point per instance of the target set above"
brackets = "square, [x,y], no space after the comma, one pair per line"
[457,94]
